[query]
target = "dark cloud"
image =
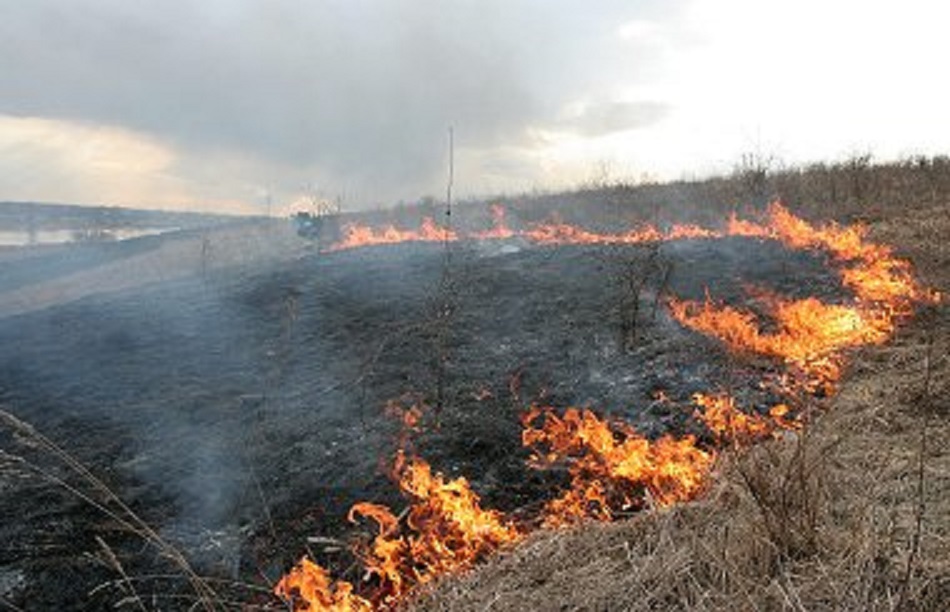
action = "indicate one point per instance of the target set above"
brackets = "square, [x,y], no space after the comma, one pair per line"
[362,91]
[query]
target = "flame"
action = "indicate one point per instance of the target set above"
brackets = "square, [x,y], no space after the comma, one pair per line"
[744,228]
[358,235]
[445,530]
[813,335]
[557,232]
[684,232]
[719,413]
[308,587]
[450,529]
[810,333]
[408,411]
[870,270]
[611,465]
[499,229]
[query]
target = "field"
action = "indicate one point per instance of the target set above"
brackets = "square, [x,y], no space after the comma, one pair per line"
[229,386]
[852,516]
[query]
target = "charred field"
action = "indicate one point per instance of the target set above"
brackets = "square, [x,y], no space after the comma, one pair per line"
[230,409]
[240,409]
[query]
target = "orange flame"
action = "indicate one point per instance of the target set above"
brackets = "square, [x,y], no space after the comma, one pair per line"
[727,423]
[870,270]
[445,530]
[358,235]
[812,335]
[499,229]
[451,530]
[611,465]
[309,587]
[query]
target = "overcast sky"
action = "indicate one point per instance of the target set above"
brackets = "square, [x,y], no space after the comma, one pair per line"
[213,104]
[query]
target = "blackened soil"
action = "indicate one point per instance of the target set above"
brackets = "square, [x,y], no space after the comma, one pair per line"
[242,411]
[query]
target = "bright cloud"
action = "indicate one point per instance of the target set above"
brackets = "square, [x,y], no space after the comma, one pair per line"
[226,104]
[75,162]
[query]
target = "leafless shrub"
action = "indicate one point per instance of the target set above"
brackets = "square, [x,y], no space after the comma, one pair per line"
[636,271]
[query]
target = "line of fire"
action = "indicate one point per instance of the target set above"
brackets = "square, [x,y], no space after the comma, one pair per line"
[608,467]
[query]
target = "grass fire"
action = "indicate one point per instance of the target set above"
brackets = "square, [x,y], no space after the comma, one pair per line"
[612,467]
[381,414]
[494,306]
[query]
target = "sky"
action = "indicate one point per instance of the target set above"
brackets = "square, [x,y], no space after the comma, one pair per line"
[226,105]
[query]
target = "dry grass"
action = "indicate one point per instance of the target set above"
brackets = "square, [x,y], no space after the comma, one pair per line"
[820,522]
[85,485]
[854,514]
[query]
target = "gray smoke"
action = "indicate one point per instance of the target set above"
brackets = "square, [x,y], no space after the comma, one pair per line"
[354,94]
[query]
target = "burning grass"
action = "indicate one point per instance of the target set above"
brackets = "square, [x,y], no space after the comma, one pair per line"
[823,520]
[612,466]
[613,469]
[850,515]
[849,512]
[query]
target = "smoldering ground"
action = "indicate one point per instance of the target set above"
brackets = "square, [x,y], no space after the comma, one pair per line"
[240,411]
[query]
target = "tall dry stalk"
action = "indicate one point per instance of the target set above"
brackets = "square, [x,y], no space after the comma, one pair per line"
[101,497]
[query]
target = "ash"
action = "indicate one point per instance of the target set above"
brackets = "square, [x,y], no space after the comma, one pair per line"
[241,412]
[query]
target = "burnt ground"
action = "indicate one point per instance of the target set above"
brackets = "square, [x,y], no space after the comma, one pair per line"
[240,411]
[873,504]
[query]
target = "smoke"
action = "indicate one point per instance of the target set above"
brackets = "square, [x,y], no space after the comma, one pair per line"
[607,118]
[355,97]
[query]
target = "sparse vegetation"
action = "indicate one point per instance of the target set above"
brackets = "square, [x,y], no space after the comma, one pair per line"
[822,521]
[635,273]
[850,514]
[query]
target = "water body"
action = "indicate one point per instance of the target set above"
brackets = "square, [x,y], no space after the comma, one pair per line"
[15,238]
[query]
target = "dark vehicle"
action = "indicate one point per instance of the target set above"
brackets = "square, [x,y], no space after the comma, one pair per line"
[317,227]
[308,225]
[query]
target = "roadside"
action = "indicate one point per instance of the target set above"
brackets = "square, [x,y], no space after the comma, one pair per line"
[79,271]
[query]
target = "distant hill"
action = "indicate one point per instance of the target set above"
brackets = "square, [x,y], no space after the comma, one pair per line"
[32,216]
